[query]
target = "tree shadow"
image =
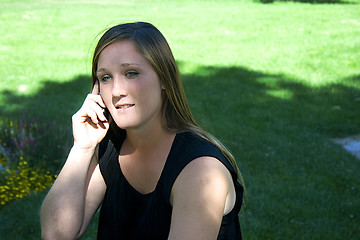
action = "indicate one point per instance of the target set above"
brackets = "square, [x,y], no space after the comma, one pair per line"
[253,99]
[54,101]
[245,97]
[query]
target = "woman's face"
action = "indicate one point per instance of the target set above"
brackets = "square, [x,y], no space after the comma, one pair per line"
[129,86]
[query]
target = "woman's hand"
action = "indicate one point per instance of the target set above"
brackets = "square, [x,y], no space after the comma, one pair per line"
[89,123]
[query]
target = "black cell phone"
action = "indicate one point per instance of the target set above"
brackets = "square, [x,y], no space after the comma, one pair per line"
[106,111]
[107,114]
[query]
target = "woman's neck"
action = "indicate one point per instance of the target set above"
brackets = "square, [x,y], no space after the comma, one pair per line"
[145,141]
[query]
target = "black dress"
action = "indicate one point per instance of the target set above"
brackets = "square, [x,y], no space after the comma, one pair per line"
[128,214]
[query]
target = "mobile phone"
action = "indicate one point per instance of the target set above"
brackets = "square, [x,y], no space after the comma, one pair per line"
[107,114]
[106,111]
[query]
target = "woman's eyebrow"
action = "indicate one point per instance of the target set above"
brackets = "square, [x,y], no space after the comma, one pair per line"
[129,64]
[122,65]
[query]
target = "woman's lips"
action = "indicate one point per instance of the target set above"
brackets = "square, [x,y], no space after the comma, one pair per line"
[124,106]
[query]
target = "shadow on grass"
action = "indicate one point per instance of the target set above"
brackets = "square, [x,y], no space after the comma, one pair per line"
[246,97]
[249,98]
[55,100]
[279,130]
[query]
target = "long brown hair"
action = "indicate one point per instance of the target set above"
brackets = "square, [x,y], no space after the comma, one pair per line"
[176,114]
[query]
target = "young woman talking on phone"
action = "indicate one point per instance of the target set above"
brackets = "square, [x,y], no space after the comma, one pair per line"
[139,155]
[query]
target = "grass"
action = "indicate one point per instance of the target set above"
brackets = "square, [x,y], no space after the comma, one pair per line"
[275,82]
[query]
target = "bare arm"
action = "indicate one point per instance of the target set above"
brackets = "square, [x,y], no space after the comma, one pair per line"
[202,194]
[79,188]
[74,197]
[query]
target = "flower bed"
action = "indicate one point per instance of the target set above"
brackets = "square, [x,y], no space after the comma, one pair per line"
[31,153]
[19,182]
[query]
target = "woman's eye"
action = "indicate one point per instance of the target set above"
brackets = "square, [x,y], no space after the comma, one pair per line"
[131,74]
[105,78]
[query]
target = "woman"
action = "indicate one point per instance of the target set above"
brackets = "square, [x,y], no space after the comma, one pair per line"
[139,153]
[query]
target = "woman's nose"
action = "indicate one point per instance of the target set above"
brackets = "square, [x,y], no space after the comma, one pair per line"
[119,87]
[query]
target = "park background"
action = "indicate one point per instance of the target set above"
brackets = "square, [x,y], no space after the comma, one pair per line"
[275,82]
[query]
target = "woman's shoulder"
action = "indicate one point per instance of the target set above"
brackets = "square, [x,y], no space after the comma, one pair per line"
[202,194]
[190,149]
[202,160]
[190,146]
[205,171]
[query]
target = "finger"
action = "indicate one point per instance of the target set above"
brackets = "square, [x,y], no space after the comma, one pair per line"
[104,125]
[99,111]
[95,89]
[93,117]
[96,98]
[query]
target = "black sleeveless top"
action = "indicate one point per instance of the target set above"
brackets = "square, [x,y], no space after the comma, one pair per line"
[128,214]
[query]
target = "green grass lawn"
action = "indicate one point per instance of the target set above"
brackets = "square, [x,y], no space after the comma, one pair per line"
[275,82]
